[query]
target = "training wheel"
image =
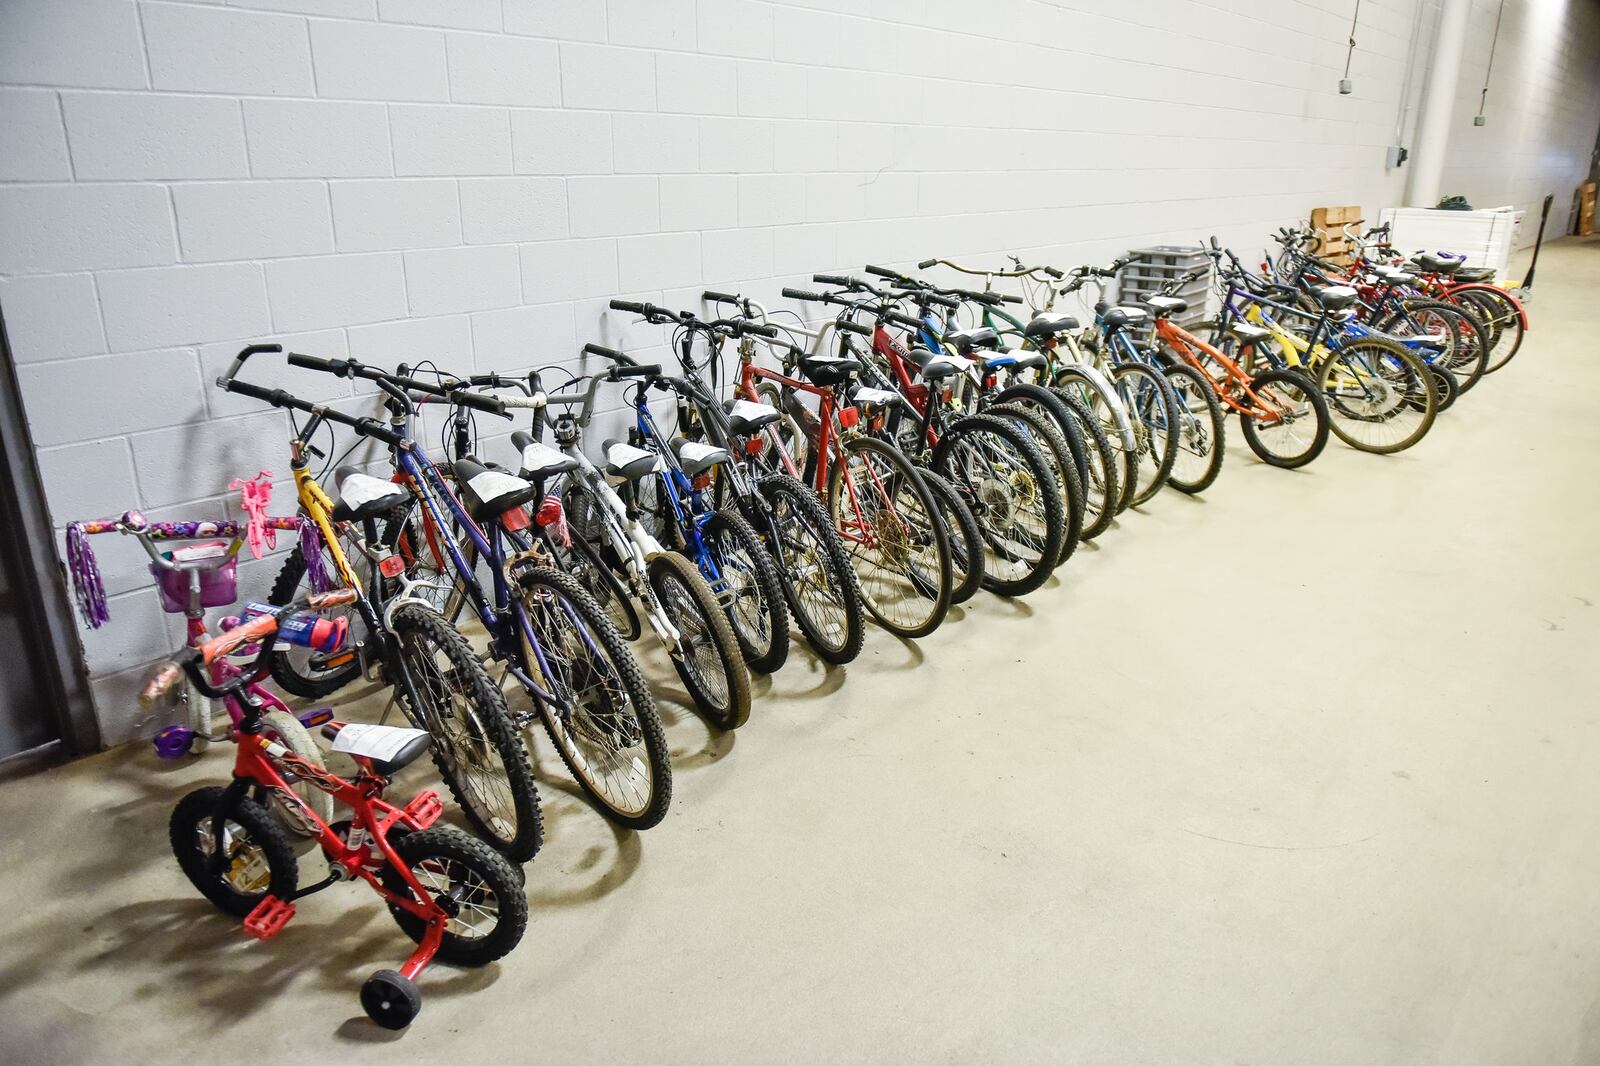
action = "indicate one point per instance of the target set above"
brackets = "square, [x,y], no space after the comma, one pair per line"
[390,999]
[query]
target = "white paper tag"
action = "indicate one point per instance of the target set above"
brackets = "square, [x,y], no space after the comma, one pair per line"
[537,457]
[875,397]
[694,451]
[622,454]
[381,742]
[492,484]
[358,489]
[751,411]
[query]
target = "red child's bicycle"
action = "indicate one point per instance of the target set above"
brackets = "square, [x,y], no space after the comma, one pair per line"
[458,898]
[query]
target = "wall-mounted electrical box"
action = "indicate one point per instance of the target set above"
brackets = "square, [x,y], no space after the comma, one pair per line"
[1395,156]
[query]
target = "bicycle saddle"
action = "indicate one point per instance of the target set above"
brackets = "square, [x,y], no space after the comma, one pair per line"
[1467,273]
[696,458]
[1164,306]
[540,460]
[1049,325]
[488,493]
[1122,316]
[828,370]
[1335,297]
[978,338]
[376,738]
[1248,332]
[627,462]
[363,496]
[1394,276]
[933,366]
[1438,262]
[747,416]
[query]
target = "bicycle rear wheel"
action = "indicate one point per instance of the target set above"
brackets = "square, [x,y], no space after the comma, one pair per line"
[966,539]
[1058,459]
[609,736]
[889,523]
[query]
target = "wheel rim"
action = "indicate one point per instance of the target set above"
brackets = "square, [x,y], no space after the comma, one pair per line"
[805,559]
[737,587]
[890,538]
[1377,398]
[1196,436]
[601,733]
[1290,429]
[993,472]
[475,765]
[696,646]
[463,894]
[247,870]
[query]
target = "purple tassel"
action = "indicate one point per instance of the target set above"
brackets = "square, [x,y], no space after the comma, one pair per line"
[311,551]
[86,584]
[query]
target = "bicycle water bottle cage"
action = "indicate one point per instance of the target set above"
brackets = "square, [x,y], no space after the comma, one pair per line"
[362,496]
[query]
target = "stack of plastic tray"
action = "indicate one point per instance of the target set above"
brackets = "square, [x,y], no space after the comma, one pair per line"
[1153,268]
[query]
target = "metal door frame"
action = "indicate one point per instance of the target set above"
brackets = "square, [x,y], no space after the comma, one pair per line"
[28,543]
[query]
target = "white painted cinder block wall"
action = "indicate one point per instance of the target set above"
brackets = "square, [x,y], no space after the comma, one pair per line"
[471,180]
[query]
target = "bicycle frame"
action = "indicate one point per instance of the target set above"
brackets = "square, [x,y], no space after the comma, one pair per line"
[1233,382]
[690,511]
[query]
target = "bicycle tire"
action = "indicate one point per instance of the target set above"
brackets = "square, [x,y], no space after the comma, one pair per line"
[1252,430]
[288,669]
[1213,451]
[1102,490]
[630,690]
[730,709]
[1152,428]
[1058,458]
[1505,322]
[907,536]
[991,500]
[1115,423]
[427,853]
[763,654]
[966,539]
[294,736]
[514,827]
[836,641]
[193,816]
[599,579]
[1416,394]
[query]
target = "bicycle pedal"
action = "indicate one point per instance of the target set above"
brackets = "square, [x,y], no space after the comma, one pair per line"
[268,918]
[424,808]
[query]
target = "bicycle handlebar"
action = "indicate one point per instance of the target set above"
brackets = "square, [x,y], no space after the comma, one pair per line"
[609,353]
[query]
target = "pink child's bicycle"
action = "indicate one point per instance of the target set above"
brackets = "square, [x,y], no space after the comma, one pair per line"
[198,572]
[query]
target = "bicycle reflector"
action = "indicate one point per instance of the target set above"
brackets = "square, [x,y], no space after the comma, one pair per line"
[849,416]
[392,566]
[550,512]
[516,519]
[754,445]
[701,482]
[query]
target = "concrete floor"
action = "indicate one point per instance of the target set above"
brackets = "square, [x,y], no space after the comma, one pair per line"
[1299,772]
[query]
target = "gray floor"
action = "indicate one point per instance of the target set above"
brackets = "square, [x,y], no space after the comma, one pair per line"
[1299,772]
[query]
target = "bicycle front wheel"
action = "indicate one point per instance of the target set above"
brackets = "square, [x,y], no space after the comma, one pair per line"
[476,747]
[1380,396]
[746,582]
[890,526]
[609,734]
[1286,424]
[1201,430]
[1151,405]
[813,567]
[1007,483]
[707,656]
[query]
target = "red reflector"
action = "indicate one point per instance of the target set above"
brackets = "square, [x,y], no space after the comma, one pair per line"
[754,445]
[392,566]
[849,416]
[550,513]
[516,519]
[701,482]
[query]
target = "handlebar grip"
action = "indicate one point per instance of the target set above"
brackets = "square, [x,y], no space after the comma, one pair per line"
[276,397]
[951,302]
[926,263]
[608,353]
[903,320]
[854,327]
[757,328]
[258,349]
[160,684]
[1010,298]
[628,305]
[480,402]
[637,370]
[884,272]
[719,297]
[802,294]
[312,362]
[321,601]
[1054,273]
[830,279]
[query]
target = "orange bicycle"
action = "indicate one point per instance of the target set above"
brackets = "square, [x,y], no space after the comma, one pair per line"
[1283,416]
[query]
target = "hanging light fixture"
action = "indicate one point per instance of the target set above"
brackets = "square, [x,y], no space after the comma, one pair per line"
[1346,86]
[1478,119]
